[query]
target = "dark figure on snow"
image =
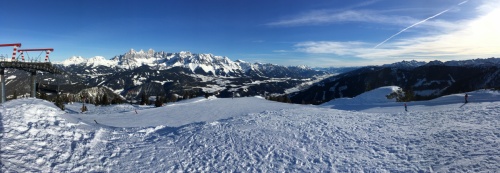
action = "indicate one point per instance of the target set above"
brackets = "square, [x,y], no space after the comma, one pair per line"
[406,108]
[466,96]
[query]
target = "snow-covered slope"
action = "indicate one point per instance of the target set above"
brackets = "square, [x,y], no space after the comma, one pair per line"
[251,135]
[376,101]
[376,96]
[177,114]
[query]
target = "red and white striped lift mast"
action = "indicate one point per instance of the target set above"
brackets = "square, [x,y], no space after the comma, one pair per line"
[16,45]
[2,71]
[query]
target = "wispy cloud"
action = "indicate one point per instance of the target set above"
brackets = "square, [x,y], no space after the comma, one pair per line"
[280,51]
[362,4]
[331,47]
[334,16]
[258,41]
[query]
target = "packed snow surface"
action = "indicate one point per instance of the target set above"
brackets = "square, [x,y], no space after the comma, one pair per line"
[254,135]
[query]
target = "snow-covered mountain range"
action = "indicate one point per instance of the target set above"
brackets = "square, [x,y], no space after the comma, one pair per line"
[205,63]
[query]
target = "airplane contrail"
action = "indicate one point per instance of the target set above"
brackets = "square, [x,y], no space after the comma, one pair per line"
[463,2]
[415,24]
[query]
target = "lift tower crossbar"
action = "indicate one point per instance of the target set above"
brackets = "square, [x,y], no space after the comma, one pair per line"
[15,45]
[47,51]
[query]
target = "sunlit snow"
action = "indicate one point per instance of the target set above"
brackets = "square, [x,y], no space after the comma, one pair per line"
[251,134]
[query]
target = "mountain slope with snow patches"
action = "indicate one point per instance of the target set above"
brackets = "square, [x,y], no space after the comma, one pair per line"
[253,134]
[162,73]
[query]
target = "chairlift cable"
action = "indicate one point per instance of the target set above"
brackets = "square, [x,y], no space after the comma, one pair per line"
[28,55]
[39,55]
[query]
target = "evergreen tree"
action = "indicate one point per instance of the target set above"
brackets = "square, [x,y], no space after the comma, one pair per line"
[159,101]
[43,96]
[104,99]
[59,102]
[144,99]
[409,95]
[165,99]
[116,100]
[281,98]
[287,99]
[185,95]
[402,96]
[97,101]
[173,97]
[14,95]
[68,99]
[368,87]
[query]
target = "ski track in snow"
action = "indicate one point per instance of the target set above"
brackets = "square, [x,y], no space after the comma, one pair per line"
[38,137]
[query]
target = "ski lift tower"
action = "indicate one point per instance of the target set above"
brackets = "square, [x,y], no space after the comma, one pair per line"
[2,70]
[37,60]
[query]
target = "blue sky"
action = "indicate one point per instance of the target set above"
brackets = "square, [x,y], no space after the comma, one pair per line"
[286,32]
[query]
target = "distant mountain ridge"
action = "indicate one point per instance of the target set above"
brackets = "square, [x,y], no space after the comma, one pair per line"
[424,80]
[471,63]
[406,64]
[196,63]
